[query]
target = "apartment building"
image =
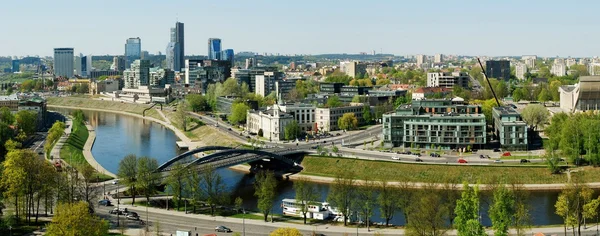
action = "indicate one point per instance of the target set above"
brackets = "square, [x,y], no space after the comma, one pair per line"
[509,128]
[327,118]
[448,80]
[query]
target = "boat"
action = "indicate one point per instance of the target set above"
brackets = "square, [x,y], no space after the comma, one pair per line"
[316,210]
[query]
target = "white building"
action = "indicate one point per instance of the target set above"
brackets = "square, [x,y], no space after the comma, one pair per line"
[271,122]
[559,69]
[327,118]
[420,59]
[570,62]
[138,74]
[438,58]
[447,80]
[63,62]
[594,68]
[520,71]
[529,60]
[304,114]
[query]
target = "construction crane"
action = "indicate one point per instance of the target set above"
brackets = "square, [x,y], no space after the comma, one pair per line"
[488,81]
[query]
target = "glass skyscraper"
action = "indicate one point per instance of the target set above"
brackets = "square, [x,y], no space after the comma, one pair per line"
[133,50]
[227,55]
[176,48]
[63,62]
[214,49]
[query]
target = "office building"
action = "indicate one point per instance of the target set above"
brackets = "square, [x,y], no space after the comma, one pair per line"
[97,73]
[438,58]
[559,69]
[200,73]
[420,60]
[509,128]
[353,68]
[425,92]
[138,75]
[133,50]
[161,77]
[447,79]
[176,48]
[118,63]
[520,71]
[437,123]
[270,122]
[63,62]
[250,62]
[330,88]
[77,65]
[248,76]
[498,69]
[327,118]
[228,55]
[283,88]
[214,49]
[16,66]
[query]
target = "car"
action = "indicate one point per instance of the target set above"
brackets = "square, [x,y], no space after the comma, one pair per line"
[418,160]
[229,129]
[104,202]
[222,229]
[525,161]
[474,150]
[498,161]
[486,156]
[497,150]
[132,217]
[41,153]
[132,214]
[462,161]
[118,211]
[315,147]
[395,158]
[417,154]
[116,181]
[433,154]
[506,154]
[481,156]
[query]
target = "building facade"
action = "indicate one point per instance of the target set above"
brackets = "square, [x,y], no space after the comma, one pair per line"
[16,66]
[327,118]
[201,73]
[118,63]
[303,114]
[448,80]
[270,122]
[63,62]
[133,50]
[214,49]
[420,59]
[498,69]
[437,123]
[509,128]
[559,69]
[228,55]
[520,71]
[138,75]
[176,48]
[10,101]
[161,77]
[438,58]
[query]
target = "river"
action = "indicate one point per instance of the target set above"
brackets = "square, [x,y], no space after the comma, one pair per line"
[119,135]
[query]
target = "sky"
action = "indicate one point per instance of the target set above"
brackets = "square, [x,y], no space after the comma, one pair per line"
[459,27]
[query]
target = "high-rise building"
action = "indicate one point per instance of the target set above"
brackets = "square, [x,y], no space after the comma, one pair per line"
[571,61]
[420,59]
[214,49]
[559,69]
[63,62]
[86,65]
[529,60]
[250,62]
[16,64]
[118,63]
[138,74]
[498,69]
[133,50]
[176,48]
[438,58]
[227,55]
[520,71]
[77,65]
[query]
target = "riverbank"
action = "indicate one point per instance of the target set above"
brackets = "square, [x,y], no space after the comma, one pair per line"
[87,153]
[104,105]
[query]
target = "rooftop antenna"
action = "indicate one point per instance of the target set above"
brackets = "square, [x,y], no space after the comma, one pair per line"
[488,81]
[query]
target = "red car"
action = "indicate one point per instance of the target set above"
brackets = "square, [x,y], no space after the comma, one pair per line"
[506,154]
[462,161]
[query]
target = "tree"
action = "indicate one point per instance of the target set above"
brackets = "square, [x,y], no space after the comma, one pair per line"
[147,177]
[575,204]
[286,232]
[366,194]
[181,114]
[231,87]
[502,210]
[544,95]
[387,201]
[54,133]
[83,88]
[175,182]
[6,133]
[427,213]
[306,194]
[128,173]
[26,121]
[292,130]
[367,114]
[334,101]
[74,219]
[213,187]
[293,95]
[535,115]
[517,95]
[238,113]
[467,212]
[6,116]
[197,102]
[348,121]
[343,192]
[264,190]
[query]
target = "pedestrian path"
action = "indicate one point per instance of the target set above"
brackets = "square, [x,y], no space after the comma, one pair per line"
[87,153]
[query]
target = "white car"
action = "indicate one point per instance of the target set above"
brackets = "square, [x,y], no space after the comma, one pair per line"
[395,158]
[116,181]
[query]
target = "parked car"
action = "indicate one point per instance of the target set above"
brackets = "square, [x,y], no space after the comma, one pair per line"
[104,202]
[222,229]
[524,161]
[506,154]
[417,154]
[119,211]
[498,161]
[433,154]
[481,156]
[497,150]
[395,158]
[418,160]
[116,181]
[462,161]
[486,156]
[133,217]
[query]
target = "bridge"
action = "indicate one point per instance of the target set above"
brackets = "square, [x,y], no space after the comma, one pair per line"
[279,160]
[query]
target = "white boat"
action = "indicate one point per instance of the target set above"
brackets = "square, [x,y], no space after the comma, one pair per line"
[316,210]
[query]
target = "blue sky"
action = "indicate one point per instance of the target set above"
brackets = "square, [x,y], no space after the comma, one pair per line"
[483,27]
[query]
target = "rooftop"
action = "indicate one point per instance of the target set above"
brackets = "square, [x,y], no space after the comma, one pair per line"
[506,110]
[11,97]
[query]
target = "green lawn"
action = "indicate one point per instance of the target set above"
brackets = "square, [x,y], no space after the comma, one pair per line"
[86,102]
[72,151]
[392,171]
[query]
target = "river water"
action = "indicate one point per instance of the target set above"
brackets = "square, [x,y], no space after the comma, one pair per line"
[119,135]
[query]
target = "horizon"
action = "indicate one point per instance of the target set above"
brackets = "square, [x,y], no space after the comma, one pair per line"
[542,28]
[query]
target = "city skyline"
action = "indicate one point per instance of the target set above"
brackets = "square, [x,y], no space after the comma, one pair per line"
[508,28]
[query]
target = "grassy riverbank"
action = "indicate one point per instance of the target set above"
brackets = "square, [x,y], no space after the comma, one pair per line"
[428,173]
[104,104]
[72,151]
[199,132]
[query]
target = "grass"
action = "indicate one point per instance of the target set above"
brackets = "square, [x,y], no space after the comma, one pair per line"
[72,151]
[402,172]
[520,157]
[86,102]
[206,134]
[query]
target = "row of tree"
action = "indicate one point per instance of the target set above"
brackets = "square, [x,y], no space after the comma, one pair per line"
[575,136]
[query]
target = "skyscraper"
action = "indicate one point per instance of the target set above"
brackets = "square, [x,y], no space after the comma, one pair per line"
[16,64]
[176,48]
[420,59]
[498,69]
[133,50]
[227,55]
[214,49]
[63,62]
[86,65]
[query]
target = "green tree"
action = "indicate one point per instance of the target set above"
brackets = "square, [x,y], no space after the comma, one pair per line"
[54,133]
[231,87]
[213,187]
[26,121]
[467,212]
[181,114]
[147,177]
[575,204]
[83,88]
[238,113]
[367,114]
[544,96]
[517,95]
[197,102]
[348,121]
[366,194]
[387,201]
[292,130]
[176,182]
[306,194]
[427,213]
[74,219]
[6,133]
[128,173]
[402,100]
[334,101]
[502,210]
[342,193]
[535,115]
[264,190]
[286,232]
[6,116]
